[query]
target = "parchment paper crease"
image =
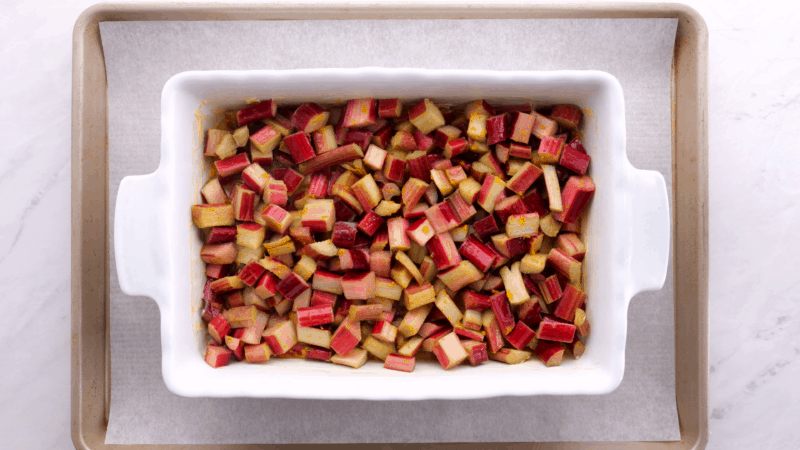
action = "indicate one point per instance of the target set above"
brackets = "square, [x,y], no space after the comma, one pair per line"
[142,56]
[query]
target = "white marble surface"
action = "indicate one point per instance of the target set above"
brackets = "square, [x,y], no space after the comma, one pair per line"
[755,315]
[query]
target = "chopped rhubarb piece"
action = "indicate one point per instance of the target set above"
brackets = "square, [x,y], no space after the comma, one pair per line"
[577,193]
[449,351]
[324,139]
[236,346]
[532,263]
[574,160]
[261,110]
[384,331]
[344,234]
[510,356]
[439,178]
[476,301]
[550,149]
[250,235]
[398,237]
[567,116]
[419,295]
[443,251]
[463,210]
[221,235]
[461,275]
[266,139]
[318,185]
[486,227]
[241,316]
[309,117]
[572,245]
[403,141]
[515,287]
[379,349]
[290,178]
[300,147]
[476,351]
[414,318]
[276,193]
[477,127]
[571,300]
[522,225]
[394,169]
[544,126]
[496,129]
[530,313]
[375,157]
[267,286]
[355,358]
[213,215]
[390,108]
[421,231]
[550,330]
[551,353]
[471,325]
[216,270]
[257,353]
[577,145]
[321,298]
[358,286]
[336,156]
[277,219]
[426,116]
[367,192]
[565,264]
[281,124]
[445,134]
[398,362]
[281,337]
[424,141]
[581,322]
[550,289]
[244,203]
[380,262]
[360,112]
[314,336]
[251,273]
[213,192]
[476,252]
[213,140]
[370,223]
[442,217]
[319,215]
[219,253]
[519,151]
[553,188]
[448,307]
[520,336]
[346,337]
[508,207]
[218,328]
[252,335]
[327,282]
[521,126]
[362,138]
[494,335]
[354,259]
[524,178]
[419,166]
[490,190]
[502,312]
[292,286]
[315,315]
[255,177]
[217,356]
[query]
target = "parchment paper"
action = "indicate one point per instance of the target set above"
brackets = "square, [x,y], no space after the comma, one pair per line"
[142,56]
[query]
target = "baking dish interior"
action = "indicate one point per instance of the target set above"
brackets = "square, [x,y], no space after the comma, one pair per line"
[192,100]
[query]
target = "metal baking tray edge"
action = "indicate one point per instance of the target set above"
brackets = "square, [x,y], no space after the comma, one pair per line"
[91,371]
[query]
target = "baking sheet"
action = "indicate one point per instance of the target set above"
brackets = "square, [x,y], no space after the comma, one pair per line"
[141,56]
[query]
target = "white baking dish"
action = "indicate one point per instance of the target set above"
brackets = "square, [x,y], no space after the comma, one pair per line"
[157,247]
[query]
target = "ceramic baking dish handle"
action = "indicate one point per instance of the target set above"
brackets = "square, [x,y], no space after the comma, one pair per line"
[139,236]
[650,230]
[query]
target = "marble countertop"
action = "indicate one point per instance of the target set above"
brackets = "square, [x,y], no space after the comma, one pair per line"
[754,172]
